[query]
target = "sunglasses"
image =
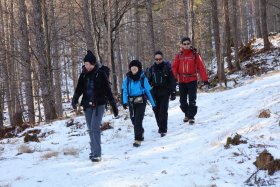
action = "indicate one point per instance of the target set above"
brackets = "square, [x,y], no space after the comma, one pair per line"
[158,59]
[186,43]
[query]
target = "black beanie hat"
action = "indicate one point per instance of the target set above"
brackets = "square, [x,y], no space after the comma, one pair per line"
[90,57]
[136,63]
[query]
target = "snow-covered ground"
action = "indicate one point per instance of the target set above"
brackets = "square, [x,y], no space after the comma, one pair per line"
[188,156]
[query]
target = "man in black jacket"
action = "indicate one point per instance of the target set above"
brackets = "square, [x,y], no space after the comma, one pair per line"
[163,86]
[94,85]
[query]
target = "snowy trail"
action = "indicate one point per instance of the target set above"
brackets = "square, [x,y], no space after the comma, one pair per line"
[187,156]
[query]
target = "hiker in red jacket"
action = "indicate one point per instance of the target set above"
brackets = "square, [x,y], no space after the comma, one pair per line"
[186,65]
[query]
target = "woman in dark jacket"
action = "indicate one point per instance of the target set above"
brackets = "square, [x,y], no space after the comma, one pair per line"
[94,85]
[136,89]
[164,86]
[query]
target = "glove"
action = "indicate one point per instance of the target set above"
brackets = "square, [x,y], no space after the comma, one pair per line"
[124,106]
[206,83]
[114,108]
[173,96]
[74,104]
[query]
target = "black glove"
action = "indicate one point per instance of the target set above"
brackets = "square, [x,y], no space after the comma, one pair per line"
[173,96]
[74,104]
[206,83]
[125,106]
[114,108]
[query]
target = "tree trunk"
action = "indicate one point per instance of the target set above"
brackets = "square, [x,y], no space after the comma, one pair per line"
[150,25]
[264,25]
[193,24]
[186,14]
[89,27]
[236,34]
[2,77]
[18,115]
[257,18]
[119,62]
[1,100]
[26,58]
[227,36]
[137,25]
[56,61]
[220,63]
[43,67]
[244,22]
[11,86]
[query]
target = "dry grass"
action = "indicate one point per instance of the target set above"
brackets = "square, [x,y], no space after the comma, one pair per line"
[25,149]
[49,154]
[71,151]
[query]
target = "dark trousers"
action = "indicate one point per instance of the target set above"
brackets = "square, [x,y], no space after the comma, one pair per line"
[137,112]
[161,112]
[188,93]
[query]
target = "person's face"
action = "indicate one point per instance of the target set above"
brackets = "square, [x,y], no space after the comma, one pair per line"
[134,69]
[186,44]
[158,59]
[89,66]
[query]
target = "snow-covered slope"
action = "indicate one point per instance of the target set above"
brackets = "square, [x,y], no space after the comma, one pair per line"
[187,156]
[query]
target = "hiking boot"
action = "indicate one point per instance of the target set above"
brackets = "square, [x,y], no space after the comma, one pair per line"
[162,134]
[191,121]
[186,119]
[95,158]
[137,143]
[90,156]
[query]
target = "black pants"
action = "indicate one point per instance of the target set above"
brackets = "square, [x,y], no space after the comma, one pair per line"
[161,112]
[188,93]
[137,112]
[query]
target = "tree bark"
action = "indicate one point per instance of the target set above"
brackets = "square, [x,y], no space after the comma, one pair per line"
[137,25]
[56,61]
[227,36]
[257,19]
[150,28]
[89,27]
[220,62]
[44,71]
[264,25]
[2,77]
[193,24]
[186,14]
[26,58]
[18,115]
[236,34]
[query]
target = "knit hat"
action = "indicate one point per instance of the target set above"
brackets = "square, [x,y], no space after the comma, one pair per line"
[136,63]
[90,57]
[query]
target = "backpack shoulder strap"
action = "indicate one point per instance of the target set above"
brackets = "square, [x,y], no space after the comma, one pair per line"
[194,57]
[180,55]
[142,82]
[194,54]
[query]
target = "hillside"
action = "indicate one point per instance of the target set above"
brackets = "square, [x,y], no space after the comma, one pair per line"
[188,156]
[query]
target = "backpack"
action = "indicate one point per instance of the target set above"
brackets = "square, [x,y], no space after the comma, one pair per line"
[105,69]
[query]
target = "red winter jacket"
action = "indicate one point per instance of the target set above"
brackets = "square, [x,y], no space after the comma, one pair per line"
[185,69]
